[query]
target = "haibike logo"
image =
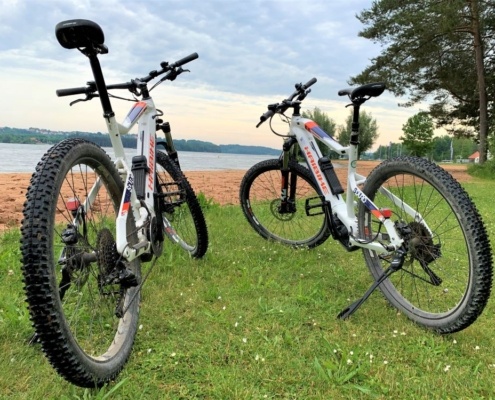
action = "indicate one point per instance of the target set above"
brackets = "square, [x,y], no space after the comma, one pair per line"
[130,183]
[316,170]
[361,195]
[127,196]
[151,163]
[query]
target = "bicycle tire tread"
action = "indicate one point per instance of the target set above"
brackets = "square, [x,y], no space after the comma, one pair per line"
[41,296]
[476,235]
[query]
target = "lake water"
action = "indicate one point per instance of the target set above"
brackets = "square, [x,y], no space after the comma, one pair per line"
[24,157]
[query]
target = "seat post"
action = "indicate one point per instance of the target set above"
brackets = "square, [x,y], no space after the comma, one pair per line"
[355,123]
[100,84]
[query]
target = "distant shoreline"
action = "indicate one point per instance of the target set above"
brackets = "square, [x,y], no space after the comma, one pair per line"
[46,137]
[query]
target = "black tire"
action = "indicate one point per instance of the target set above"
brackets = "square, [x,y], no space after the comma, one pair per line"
[71,303]
[446,279]
[184,221]
[260,199]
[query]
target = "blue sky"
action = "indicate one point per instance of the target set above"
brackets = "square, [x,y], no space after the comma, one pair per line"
[251,53]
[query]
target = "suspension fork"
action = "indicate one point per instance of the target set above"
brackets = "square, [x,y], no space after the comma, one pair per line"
[288,181]
[168,143]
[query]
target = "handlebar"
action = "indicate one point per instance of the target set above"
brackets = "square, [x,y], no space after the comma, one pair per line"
[73,91]
[174,69]
[185,60]
[279,108]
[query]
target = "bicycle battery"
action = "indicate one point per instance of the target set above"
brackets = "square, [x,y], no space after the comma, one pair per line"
[139,169]
[327,168]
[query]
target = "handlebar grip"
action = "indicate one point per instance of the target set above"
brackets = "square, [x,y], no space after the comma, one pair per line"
[309,83]
[265,116]
[185,60]
[72,91]
[125,85]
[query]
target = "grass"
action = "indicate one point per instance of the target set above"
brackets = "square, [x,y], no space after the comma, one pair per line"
[256,320]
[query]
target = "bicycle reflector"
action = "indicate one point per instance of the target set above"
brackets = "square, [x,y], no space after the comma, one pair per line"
[386,212]
[72,204]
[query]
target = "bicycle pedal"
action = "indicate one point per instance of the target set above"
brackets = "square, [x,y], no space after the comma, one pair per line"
[322,204]
[167,191]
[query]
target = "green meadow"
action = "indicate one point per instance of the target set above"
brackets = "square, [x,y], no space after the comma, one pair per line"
[257,320]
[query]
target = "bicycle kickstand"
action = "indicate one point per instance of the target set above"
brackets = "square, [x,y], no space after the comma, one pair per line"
[395,265]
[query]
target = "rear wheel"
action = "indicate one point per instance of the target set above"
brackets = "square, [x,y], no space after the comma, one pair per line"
[446,278]
[83,299]
[301,222]
[182,215]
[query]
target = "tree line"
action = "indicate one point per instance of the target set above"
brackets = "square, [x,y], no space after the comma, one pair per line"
[38,136]
[417,139]
[439,51]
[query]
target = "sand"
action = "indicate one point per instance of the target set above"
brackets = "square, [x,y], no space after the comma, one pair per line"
[221,186]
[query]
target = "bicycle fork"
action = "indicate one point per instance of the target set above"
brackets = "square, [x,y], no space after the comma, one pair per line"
[288,181]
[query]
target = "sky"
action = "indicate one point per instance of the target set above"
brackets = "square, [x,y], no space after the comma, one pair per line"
[251,53]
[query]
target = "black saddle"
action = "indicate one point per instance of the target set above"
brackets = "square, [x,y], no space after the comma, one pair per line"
[368,90]
[80,33]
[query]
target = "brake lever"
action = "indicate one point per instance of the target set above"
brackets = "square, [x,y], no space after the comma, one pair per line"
[89,96]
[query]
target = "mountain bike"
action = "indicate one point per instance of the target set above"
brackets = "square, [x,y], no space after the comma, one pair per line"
[422,237]
[89,222]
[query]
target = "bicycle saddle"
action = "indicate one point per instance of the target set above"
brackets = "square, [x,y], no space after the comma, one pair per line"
[370,89]
[79,33]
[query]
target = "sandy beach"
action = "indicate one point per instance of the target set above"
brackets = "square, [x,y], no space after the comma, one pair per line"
[221,186]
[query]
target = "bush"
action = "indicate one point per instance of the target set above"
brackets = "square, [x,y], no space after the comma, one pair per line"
[485,171]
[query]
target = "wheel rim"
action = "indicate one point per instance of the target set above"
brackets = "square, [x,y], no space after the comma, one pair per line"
[87,301]
[178,220]
[290,225]
[436,276]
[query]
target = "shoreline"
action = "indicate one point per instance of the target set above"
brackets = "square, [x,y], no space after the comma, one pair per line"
[222,186]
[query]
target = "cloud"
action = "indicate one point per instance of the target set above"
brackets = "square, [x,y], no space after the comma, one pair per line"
[251,52]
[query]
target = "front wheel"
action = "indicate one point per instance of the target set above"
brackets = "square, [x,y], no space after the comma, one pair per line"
[301,221]
[84,314]
[182,215]
[446,278]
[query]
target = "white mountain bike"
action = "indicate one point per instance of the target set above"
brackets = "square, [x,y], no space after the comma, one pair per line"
[89,222]
[422,237]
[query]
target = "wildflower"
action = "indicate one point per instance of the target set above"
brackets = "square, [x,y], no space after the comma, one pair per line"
[141,327]
[236,325]
[11,272]
[454,341]
[244,340]
[446,369]
[477,348]
[149,351]
[349,361]
[385,362]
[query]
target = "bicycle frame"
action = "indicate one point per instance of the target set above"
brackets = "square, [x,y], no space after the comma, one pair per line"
[144,113]
[307,132]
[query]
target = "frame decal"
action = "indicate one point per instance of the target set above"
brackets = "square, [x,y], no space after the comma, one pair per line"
[135,112]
